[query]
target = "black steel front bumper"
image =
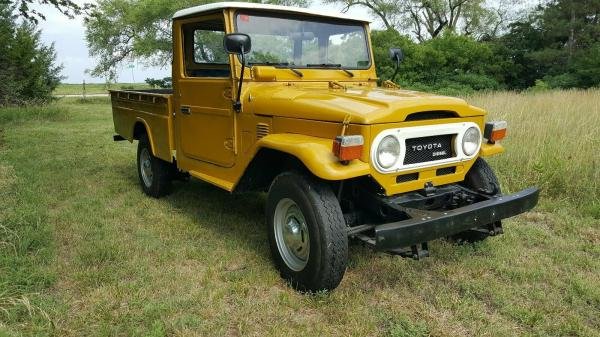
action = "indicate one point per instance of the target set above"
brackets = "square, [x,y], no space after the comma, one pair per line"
[424,226]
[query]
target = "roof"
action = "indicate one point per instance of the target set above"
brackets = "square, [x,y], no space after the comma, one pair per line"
[249,5]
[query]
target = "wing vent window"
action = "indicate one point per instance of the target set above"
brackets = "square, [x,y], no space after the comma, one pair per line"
[262,129]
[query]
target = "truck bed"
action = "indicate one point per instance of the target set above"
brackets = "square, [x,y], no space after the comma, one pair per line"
[150,111]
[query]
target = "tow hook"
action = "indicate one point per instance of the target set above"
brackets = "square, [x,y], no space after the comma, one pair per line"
[428,189]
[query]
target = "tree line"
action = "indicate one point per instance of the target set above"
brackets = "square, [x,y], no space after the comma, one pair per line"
[450,46]
[554,45]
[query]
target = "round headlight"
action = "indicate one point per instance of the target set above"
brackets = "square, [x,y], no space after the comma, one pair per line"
[388,152]
[471,141]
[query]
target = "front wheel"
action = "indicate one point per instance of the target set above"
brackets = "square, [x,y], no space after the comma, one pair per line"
[307,232]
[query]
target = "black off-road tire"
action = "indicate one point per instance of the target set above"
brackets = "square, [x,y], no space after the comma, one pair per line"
[328,252]
[162,172]
[480,178]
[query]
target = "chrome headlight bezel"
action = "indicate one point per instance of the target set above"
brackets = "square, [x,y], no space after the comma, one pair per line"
[471,141]
[393,145]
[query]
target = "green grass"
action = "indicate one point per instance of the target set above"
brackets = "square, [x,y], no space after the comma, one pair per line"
[95,88]
[84,252]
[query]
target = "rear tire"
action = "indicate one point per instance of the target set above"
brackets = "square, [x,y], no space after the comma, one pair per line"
[480,178]
[307,232]
[155,174]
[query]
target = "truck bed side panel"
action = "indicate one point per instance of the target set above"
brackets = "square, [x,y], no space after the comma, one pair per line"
[150,109]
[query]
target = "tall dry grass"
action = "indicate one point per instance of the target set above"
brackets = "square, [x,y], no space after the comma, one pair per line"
[553,142]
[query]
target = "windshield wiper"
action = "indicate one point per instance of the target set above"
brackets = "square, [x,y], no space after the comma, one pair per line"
[296,71]
[284,65]
[332,65]
[268,63]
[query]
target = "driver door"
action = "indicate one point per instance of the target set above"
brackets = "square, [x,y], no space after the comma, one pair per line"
[205,115]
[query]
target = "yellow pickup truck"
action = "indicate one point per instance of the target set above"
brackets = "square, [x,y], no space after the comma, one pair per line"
[286,100]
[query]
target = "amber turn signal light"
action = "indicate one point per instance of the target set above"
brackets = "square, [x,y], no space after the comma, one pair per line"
[495,131]
[347,148]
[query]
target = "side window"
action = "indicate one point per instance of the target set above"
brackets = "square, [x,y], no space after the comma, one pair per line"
[208,47]
[203,49]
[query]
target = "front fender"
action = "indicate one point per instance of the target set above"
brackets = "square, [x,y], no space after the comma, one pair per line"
[316,154]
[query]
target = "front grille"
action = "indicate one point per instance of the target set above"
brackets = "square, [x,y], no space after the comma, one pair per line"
[425,149]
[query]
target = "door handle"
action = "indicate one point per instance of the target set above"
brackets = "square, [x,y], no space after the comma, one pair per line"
[186,110]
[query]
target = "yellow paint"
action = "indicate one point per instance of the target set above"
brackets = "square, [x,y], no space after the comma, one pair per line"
[490,149]
[264,74]
[316,155]
[297,115]
[152,111]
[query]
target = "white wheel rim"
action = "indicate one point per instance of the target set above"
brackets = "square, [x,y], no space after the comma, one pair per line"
[146,167]
[291,234]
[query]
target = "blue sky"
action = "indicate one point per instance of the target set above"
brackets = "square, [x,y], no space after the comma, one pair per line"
[68,37]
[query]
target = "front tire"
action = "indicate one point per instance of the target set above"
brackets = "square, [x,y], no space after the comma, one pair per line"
[307,232]
[481,178]
[155,175]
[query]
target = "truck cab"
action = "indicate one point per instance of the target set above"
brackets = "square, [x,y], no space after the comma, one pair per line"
[286,100]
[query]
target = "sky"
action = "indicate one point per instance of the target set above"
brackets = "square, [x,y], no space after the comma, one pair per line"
[68,36]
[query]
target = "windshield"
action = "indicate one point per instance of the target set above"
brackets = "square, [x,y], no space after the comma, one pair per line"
[291,41]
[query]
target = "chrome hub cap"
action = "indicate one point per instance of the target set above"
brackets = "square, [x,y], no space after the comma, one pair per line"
[146,167]
[291,234]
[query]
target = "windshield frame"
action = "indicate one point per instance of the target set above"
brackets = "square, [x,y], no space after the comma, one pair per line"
[296,16]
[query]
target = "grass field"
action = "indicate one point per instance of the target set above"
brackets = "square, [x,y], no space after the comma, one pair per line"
[95,88]
[84,252]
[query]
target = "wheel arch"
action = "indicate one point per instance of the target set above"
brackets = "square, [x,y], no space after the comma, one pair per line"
[265,166]
[140,127]
[280,152]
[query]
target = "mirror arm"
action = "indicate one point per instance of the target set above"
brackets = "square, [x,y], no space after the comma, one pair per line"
[397,68]
[237,105]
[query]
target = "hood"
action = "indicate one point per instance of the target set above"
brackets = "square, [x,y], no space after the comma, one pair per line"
[365,105]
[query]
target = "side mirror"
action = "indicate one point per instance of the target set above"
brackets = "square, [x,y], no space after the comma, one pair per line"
[396,55]
[237,43]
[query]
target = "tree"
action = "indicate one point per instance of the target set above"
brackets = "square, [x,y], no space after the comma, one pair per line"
[66,7]
[121,30]
[450,64]
[163,83]
[558,43]
[388,11]
[28,72]
[427,19]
